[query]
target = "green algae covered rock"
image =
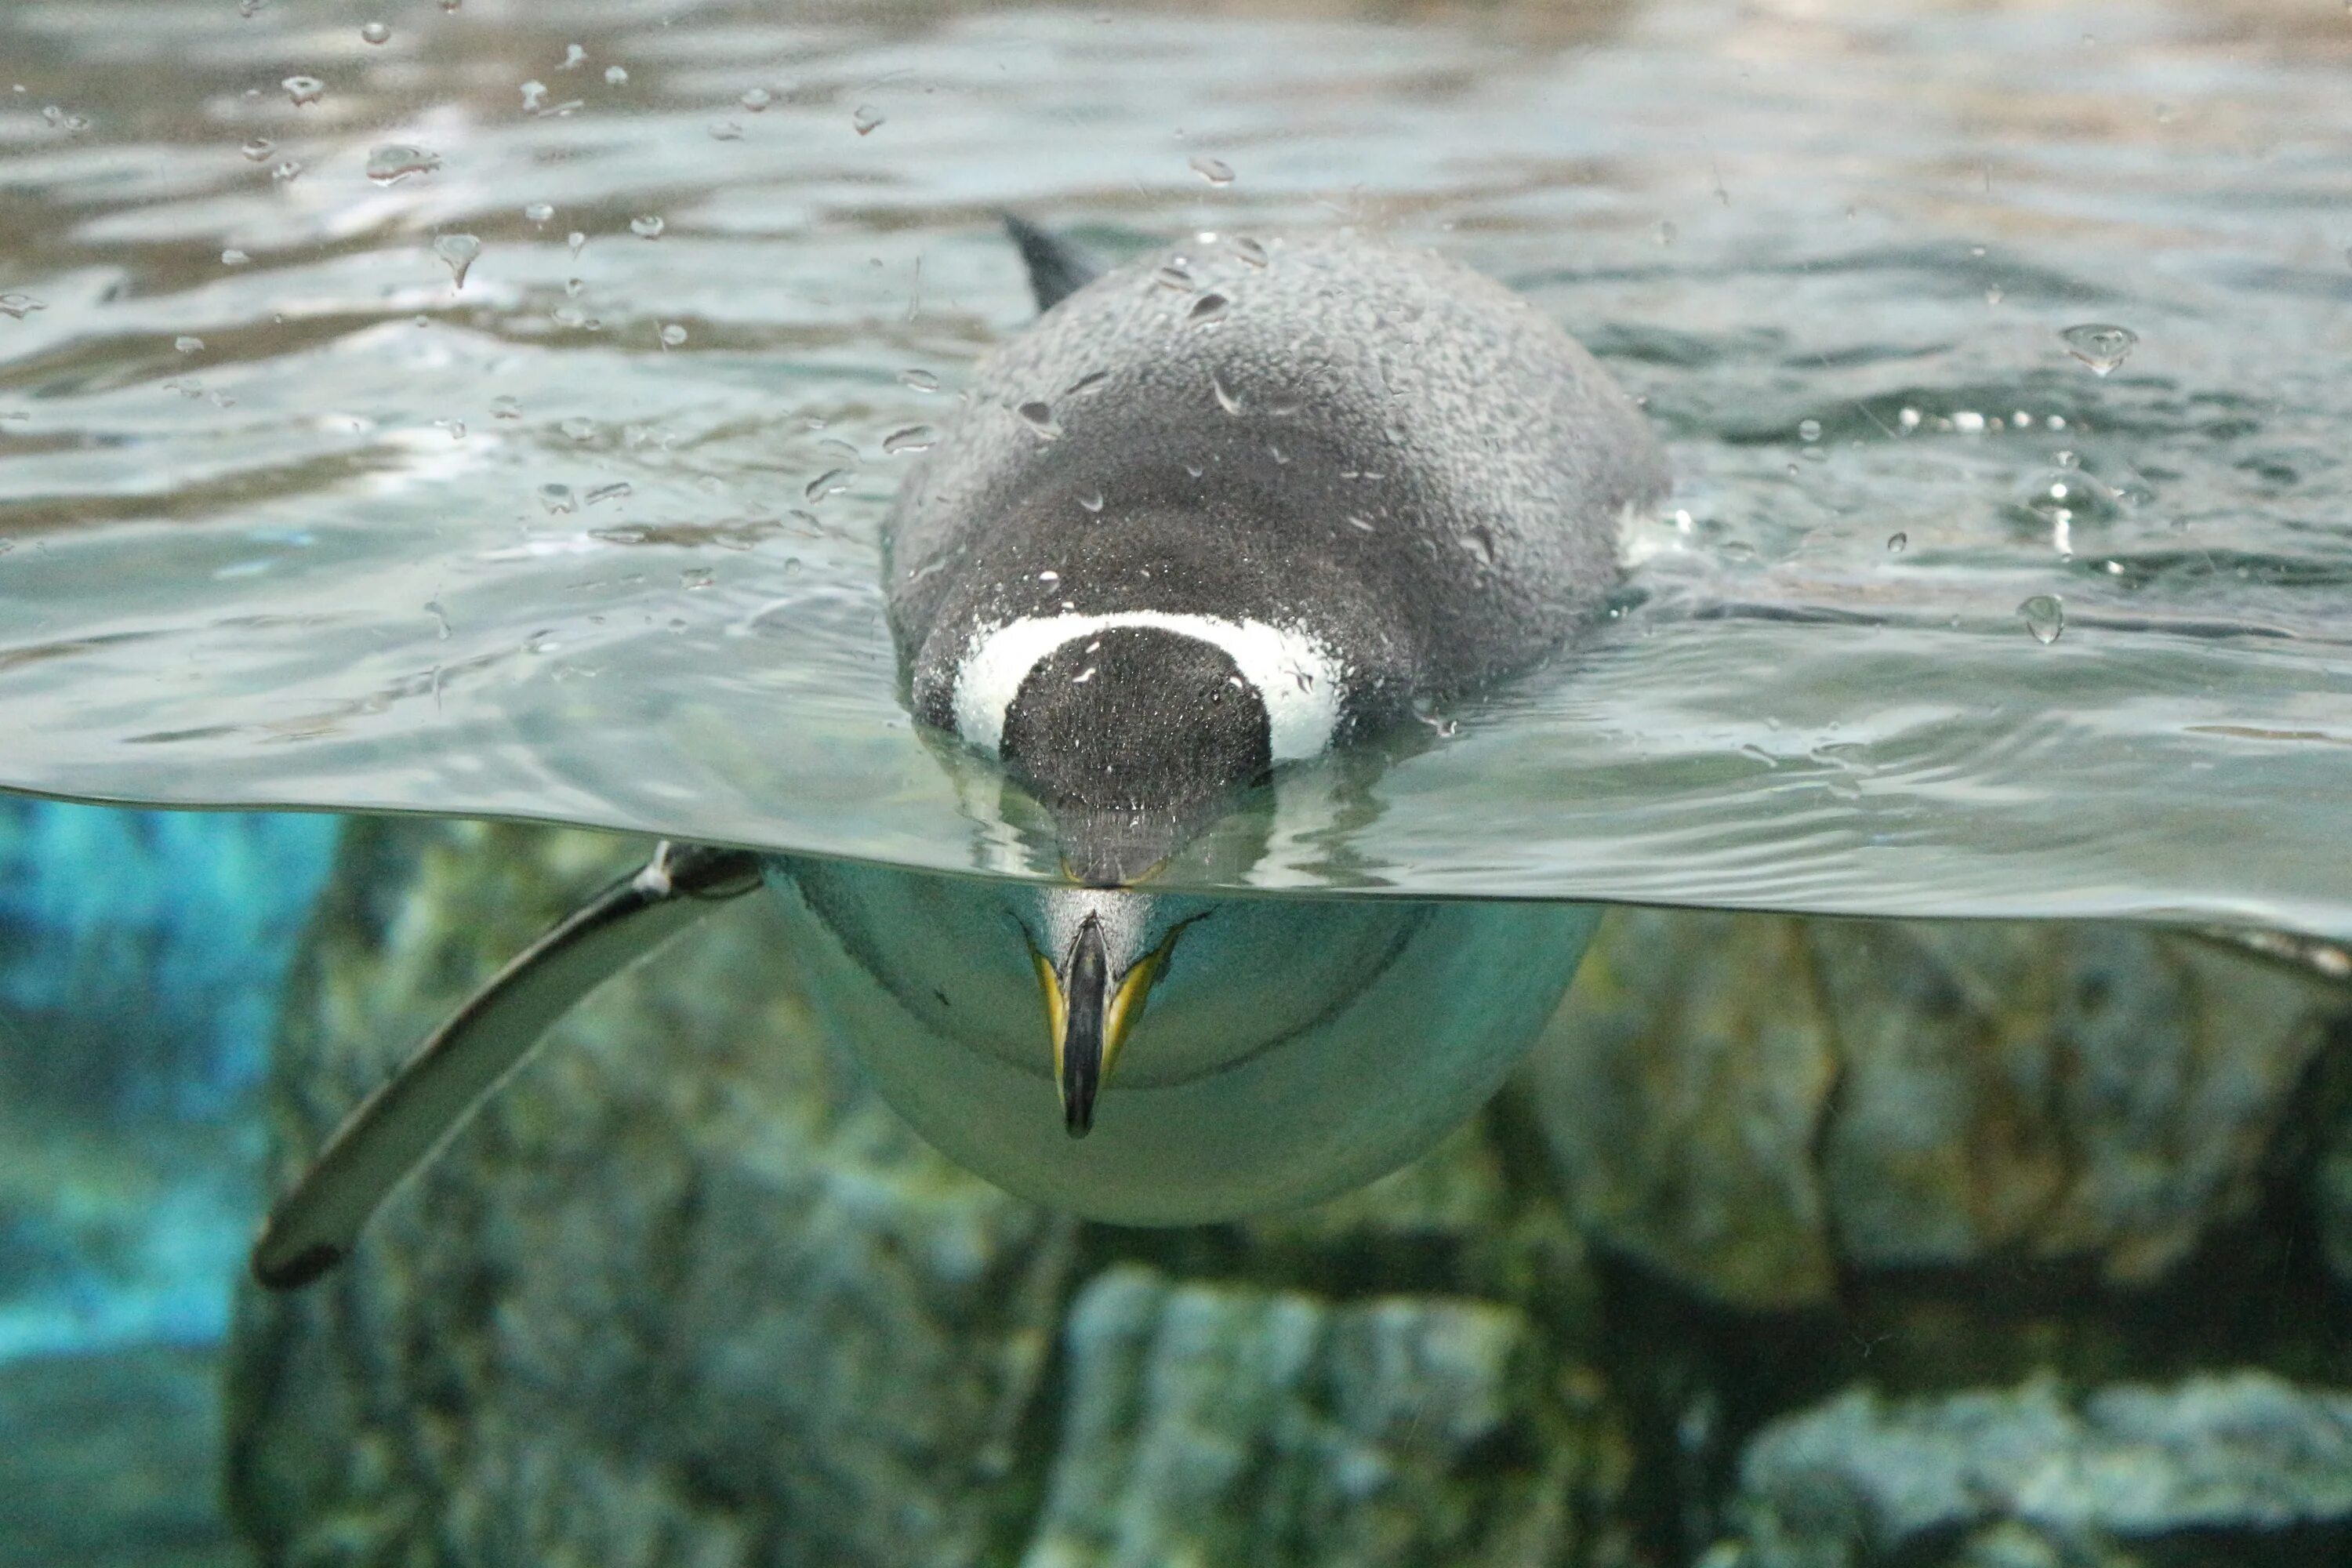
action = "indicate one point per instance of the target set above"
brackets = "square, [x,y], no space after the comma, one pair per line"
[2232,1468]
[1207,1423]
[688,1293]
[1754,1103]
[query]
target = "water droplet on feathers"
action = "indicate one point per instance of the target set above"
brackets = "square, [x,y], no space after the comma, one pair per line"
[2101,345]
[2046,617]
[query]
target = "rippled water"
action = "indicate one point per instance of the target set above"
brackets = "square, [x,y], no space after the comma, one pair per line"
[1943,620]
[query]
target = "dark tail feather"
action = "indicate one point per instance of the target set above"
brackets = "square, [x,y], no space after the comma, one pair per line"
[1058,268]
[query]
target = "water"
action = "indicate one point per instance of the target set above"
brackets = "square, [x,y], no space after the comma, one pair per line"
[1921,267]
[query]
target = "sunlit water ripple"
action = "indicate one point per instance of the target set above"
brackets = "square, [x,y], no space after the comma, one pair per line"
[313,524]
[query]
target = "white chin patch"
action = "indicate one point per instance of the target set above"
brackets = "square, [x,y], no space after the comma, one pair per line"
[1292,671]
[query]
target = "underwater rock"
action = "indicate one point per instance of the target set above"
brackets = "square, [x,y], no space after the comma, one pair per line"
[688,1292]
[112,1460]
[2330,1181]
[2238,1465]
[1753,1102]
[1215,1424]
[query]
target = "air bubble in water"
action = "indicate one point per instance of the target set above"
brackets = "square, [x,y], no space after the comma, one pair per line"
[304,90]
[2046,617]
[1092,500]
[375,33]
[556,499]
[234,258]
[286,170]
[574,241]
[913,438]
[756,98]
[2101,345]
[672,334]
[574,57]
[1248,249]
[831,482]
[1207,308]
[619,489]
[866,120]
[1216,171]
[616,76]
[258,148]
[396,161]
[506,409]
[646,228]
[1041,420]
[457,252]
[725,131]
[1176,275]
[188,345]
[697,577]
[578,428]
[535,97]
[919,380]
[539,212]
[1809,429]
[1896,543]
[1225,399]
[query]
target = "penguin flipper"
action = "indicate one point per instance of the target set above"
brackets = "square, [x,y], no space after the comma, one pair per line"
[404,1123]
[1058,268]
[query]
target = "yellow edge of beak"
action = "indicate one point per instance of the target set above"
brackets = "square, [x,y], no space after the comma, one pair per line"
[1134,989]
[1057,1009]
[1126,1004]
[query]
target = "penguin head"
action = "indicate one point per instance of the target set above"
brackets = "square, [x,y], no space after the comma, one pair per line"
[1131,736]
[1134,727]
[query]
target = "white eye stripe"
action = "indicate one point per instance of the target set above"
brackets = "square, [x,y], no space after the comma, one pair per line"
[1292,671]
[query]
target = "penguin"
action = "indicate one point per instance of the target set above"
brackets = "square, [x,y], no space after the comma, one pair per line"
[1221,509]
[1238,503]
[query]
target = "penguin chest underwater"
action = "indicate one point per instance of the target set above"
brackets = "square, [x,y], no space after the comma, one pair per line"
[1218,510]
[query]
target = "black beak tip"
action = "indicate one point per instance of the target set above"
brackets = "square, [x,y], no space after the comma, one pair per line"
[309,1264]
[1079,1113]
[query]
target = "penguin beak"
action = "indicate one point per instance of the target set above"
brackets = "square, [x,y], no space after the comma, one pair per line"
[1092,1002]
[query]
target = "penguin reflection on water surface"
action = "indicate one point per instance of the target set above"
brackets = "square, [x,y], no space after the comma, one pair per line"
[1224,508]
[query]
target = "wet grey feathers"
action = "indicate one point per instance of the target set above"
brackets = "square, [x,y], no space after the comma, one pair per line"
[1403,459]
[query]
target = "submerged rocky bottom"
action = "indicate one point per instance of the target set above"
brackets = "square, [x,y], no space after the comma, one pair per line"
[1798,1244]
[111,1459]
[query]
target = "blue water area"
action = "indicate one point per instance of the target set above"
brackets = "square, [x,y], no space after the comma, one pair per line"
[142,958]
